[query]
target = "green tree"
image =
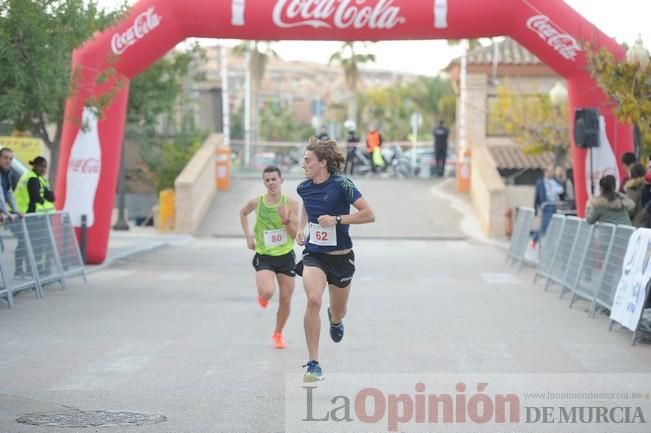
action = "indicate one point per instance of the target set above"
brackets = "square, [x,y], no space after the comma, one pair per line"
[532,121]
[159,93]
[385,108]
[37,38]
[159,89]
[260,53]
[629,86]
[447,108]
[350,60]
[163,158]
[237,123]
[278,123]
[434,98]
[391,107]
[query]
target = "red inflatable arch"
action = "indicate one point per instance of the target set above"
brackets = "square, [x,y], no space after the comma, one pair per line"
[89,161]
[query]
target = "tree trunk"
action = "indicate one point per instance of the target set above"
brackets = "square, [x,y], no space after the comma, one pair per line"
[255,114]
[52,145]
[560,155]
[352,108]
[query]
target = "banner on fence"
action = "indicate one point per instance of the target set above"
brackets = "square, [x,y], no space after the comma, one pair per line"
[629,297]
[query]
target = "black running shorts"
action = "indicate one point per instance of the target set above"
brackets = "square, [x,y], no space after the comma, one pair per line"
[339,269]
[284,264]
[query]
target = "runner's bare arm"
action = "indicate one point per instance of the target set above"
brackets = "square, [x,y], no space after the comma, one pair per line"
[363,215]
[244,212]
[292,217]
[300,230]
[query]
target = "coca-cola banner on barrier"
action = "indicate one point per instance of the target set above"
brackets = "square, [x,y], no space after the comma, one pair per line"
[90,156]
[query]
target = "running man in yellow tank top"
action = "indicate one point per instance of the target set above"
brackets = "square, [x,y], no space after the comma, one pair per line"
[276,220]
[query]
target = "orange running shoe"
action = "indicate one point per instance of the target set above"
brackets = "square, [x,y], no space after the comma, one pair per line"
[263,302]
[279,341]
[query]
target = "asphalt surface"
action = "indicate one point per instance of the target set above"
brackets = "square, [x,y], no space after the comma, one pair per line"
[176,330]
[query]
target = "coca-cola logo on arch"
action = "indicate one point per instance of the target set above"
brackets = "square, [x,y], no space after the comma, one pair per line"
[341,14]
[84,166]
[143,24]
[563,43]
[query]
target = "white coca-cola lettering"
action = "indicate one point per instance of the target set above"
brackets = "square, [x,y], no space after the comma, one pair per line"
[85,166]
[345,14]
[563,43]
[84,170]
[143,24]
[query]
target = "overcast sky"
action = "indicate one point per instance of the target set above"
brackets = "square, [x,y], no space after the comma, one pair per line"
[624,21]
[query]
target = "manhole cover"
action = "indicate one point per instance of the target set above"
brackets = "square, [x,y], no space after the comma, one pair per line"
[92,418]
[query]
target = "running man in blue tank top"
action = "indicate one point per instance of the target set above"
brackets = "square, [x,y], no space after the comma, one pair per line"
[328,258]
[276,219]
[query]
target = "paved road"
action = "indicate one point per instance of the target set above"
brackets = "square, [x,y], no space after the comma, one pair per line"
[405,209]
[177,331]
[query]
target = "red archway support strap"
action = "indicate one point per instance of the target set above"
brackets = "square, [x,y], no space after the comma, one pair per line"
[89,158]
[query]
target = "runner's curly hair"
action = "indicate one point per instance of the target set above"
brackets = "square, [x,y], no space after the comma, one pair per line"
[329,151]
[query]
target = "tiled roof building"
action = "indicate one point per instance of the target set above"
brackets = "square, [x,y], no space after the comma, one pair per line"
[502,176]
[505,62]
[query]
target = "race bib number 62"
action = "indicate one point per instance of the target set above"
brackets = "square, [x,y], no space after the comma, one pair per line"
[324,236]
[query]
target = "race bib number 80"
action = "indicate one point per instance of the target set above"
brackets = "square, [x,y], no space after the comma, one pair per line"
[274,238]
[324,236]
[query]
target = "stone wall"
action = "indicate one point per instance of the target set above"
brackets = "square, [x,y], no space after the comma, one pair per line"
[487,192]
[195,187]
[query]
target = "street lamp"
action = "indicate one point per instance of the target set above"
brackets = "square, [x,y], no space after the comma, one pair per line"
[637,55]
[121,223]
[416,120]
[558,95]
[558,99]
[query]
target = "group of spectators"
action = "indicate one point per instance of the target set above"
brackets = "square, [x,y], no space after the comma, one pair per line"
[24,194]
[357,155]
[628,205]
[372,151]
[554,187]
[631,204]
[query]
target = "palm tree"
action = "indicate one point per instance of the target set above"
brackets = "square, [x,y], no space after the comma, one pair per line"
[260,52]
[350,61]
[427,93]
[472,43]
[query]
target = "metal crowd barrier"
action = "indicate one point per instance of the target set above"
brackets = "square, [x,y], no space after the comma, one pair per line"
[38,249]
[67,247]
[584,259]
[605,293]
[549,246]
[576,257]
[524,218]
[563,252]
[591,270]
[17,261]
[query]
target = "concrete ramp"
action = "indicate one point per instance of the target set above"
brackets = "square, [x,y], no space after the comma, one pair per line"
[404,209]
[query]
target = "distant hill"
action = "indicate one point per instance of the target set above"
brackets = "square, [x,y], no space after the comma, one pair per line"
[296,81]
